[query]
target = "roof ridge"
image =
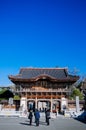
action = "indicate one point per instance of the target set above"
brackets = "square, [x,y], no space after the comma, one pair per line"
[34,68]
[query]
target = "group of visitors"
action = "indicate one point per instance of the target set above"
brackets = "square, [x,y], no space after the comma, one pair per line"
[37,116]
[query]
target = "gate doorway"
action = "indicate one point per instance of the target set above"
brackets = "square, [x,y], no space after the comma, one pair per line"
[43,105]
[56,107]
[31,105]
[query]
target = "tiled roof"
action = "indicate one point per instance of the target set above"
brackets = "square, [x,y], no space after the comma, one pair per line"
[55,74]
[28,73]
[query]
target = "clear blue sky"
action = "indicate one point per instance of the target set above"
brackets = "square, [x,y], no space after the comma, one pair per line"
[42,33]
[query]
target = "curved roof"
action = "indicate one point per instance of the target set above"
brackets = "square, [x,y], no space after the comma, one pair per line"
[36,73]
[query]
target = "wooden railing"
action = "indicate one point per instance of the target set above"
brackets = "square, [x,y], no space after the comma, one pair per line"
[45,90]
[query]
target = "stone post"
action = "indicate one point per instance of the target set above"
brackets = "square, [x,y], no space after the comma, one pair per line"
[77,104]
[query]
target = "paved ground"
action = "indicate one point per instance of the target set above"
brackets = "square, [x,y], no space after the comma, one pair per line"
[61,123]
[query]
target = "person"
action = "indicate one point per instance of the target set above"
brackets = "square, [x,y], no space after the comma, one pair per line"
[47,116]
[37,117]
[30,116]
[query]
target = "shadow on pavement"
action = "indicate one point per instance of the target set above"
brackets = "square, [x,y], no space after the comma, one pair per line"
[26,124]
[42,123]
[33,123]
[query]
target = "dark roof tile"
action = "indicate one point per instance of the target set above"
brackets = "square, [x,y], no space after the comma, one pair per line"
[28,73]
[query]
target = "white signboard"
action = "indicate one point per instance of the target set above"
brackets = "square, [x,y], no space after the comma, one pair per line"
[10,101]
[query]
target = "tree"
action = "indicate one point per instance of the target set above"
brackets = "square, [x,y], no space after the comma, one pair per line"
[16,97]
[73,71]
[5,94]
[76,92]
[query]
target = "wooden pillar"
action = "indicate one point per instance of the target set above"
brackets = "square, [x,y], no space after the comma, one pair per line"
[36,102]
[51,104]
[26,100]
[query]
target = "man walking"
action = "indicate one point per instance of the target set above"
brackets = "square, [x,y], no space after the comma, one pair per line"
[47,115]
[30,116]
[37,117]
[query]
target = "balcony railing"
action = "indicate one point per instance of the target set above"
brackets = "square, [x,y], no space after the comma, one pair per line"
[43,90]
